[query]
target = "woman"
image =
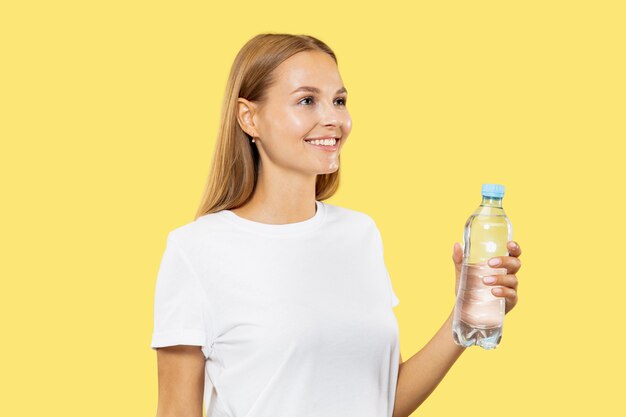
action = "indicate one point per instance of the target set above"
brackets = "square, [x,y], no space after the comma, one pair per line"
[272,302]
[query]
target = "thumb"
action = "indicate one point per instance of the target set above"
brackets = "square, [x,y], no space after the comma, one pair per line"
[457,253]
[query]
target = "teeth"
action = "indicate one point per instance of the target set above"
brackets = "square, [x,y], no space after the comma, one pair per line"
[328,142]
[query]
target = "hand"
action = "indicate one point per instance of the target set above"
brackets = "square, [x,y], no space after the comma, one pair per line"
[505,285]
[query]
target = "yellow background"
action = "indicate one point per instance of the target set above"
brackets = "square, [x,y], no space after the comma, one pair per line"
[108,118]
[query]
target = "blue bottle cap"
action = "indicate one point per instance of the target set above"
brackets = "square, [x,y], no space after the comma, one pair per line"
[493,190]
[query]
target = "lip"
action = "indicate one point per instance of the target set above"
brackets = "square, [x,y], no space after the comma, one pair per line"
[325,137]
[327,148]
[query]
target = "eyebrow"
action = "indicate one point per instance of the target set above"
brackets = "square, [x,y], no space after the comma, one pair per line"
[317,90]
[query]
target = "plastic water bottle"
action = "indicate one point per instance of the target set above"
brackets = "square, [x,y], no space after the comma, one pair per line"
[478,314]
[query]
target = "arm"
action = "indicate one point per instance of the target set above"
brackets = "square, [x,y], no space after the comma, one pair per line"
[419,375]
[181,381]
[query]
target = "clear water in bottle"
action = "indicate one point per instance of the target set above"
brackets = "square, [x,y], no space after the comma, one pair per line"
[478,314]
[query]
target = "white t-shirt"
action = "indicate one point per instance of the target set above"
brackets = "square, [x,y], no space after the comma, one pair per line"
[293,319]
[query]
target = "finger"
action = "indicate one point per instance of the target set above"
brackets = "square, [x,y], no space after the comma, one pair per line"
[510,296]
[508,293]
[511,263]
[514,249]
[509,281]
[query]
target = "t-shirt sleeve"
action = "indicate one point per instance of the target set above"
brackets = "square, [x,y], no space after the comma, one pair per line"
[379,240]
[180,302]
[394,299]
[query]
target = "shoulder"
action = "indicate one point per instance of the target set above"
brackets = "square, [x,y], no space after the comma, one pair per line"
[350,216]
[195,232]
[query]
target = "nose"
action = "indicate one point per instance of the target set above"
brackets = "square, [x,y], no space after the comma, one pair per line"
[331,115]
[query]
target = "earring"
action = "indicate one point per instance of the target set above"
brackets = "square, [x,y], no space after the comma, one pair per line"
[252,140]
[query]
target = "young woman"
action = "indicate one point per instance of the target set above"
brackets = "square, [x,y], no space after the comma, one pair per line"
[271,302]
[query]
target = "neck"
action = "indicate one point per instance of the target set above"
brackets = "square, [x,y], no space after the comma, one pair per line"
[280,197]
[492,202]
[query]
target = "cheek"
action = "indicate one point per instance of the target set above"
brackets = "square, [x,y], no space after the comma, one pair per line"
[298,123]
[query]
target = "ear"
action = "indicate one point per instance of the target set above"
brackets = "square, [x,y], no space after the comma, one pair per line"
[245,116]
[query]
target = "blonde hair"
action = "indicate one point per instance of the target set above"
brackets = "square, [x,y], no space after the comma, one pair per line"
[234,168]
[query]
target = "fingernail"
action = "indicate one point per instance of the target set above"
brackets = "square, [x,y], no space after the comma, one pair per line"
[497,290]
[489,280]
[494,261]
[513,245]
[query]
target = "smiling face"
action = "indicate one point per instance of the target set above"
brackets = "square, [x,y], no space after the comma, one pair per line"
[290,114]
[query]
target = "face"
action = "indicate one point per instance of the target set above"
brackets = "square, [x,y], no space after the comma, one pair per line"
[291,115]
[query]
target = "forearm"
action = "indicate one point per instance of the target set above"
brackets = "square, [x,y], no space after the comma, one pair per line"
[419,376]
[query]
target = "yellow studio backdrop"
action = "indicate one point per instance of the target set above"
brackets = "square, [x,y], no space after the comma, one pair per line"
[108,119]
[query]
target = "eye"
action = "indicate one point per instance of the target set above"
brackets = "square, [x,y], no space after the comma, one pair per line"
[341,100]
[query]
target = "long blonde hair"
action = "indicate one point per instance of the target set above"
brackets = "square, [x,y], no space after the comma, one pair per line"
[234,169]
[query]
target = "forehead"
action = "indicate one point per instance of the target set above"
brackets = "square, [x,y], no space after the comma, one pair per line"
[308,68]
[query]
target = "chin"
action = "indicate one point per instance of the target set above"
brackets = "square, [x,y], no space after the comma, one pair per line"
[332,167]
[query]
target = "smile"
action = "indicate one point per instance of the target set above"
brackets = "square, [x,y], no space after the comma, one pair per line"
[327,148]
